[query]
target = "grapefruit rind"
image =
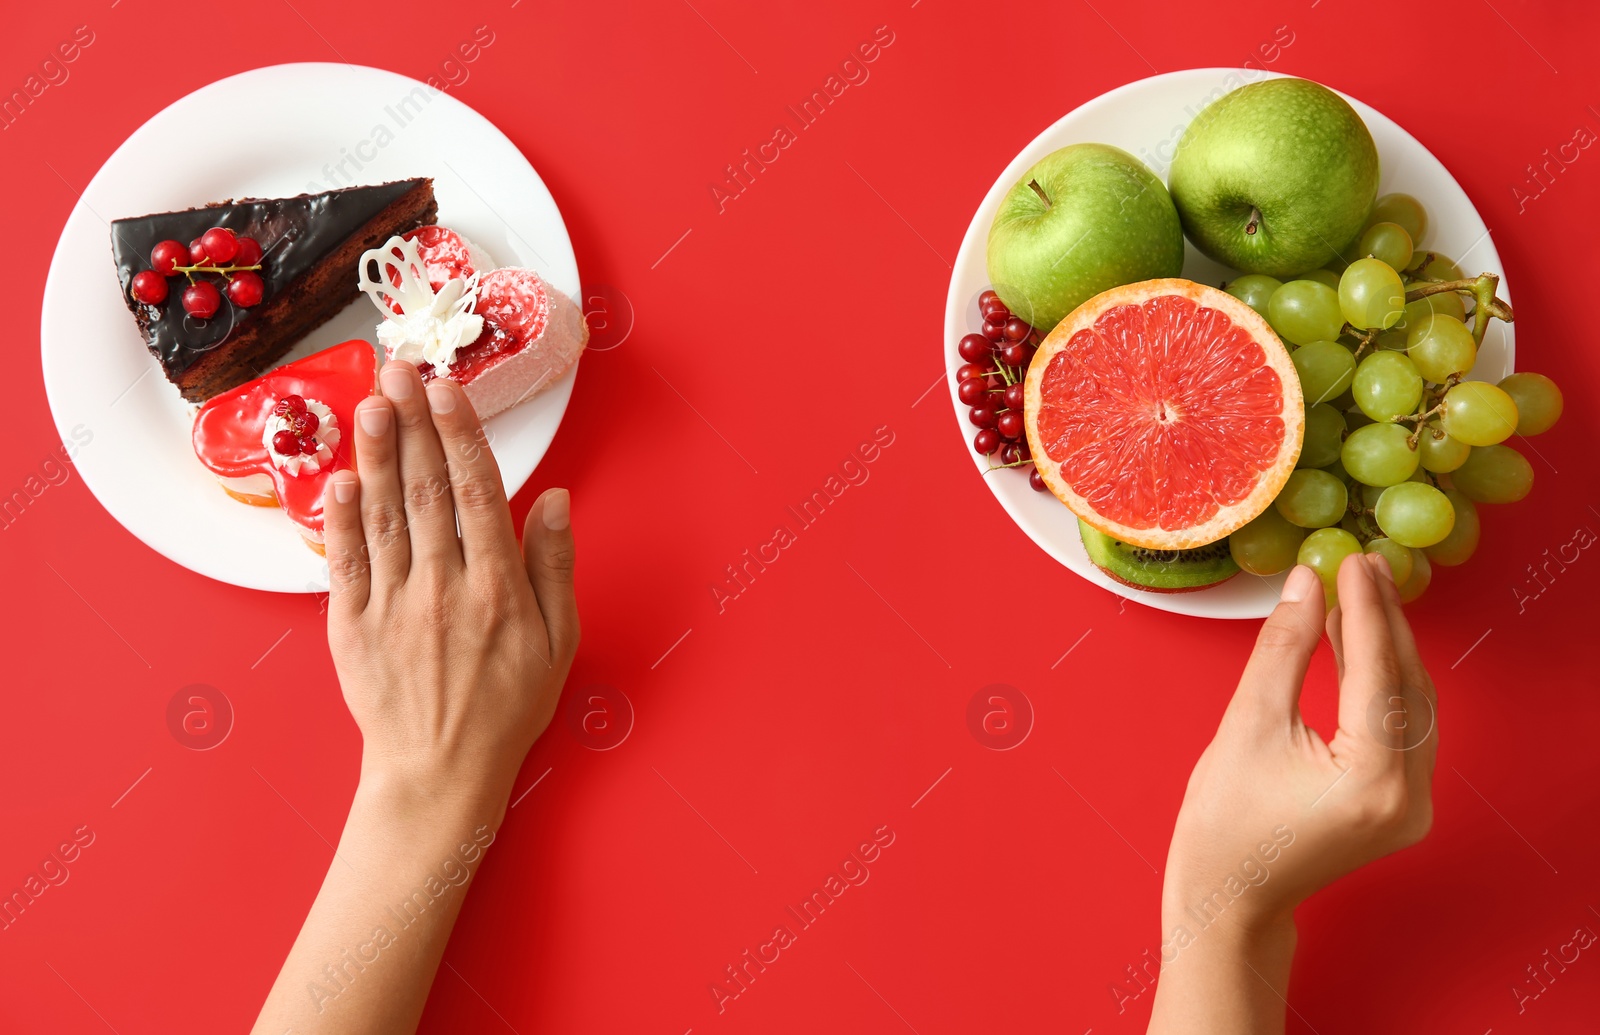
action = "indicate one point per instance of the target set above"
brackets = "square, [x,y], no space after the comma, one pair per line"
[1227,516]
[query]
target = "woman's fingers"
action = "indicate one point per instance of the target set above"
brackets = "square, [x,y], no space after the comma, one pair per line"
[383,508]
[480,498]
[1419,718]
[1371,686]
[1405,644]
[1277,667]
[548,552]
[430,512]
[349,577]
[1335,629]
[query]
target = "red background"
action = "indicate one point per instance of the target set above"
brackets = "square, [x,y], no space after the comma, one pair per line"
[832,694]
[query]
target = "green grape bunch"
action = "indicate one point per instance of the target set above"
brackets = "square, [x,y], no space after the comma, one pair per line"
[1400,447]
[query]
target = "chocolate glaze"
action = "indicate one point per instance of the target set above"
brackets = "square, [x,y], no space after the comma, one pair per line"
[295,235]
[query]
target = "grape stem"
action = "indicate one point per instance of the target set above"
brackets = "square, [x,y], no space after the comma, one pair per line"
[1364,338]
[1419,416]
[1363,530]
[1482,289]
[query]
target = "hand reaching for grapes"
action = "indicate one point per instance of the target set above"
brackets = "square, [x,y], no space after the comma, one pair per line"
[1273,812]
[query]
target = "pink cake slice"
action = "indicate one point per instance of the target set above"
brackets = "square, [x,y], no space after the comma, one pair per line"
[434,286]
[532,334]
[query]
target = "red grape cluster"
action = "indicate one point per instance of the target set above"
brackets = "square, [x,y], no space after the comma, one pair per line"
[299,434]
[218,251]
[990,384]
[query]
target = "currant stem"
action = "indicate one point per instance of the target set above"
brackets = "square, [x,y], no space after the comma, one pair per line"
[190,271]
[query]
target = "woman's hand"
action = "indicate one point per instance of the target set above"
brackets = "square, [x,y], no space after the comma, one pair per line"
[451,651]
[1273,812]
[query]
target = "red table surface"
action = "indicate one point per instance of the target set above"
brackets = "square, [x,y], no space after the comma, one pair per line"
[828,700]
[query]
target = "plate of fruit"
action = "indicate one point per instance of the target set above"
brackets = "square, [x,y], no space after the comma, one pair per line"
[210,324]
[1218,322]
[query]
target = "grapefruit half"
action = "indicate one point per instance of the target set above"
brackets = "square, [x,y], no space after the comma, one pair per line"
[1165,413]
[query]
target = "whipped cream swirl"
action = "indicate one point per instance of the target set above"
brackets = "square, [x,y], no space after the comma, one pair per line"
[326,436]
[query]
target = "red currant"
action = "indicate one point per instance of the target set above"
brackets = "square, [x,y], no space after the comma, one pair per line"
[197,253]
[220,243]
[994,330]
[1009,424]
[286,443]
[967,371]
[986,441]
[1036,481]
[1015,355]
[1009,454]
[201,299]
[975,348]
[249,253]
[988,298]
[306,424]
[1016,330]
[1014,394]
[166,255]
[973,391]
[289,404]
[245,288]
[982,416]
[308,445]
[149,287]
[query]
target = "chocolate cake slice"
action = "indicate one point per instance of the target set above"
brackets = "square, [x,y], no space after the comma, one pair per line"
[311,245]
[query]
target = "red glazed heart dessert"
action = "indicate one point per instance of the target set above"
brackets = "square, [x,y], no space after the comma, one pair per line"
[277,439]
[503,334]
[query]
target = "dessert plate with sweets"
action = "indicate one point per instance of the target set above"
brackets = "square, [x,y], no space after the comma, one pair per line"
[218,332]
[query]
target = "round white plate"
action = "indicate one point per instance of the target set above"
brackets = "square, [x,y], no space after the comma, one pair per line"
[1146,118]
[310,127]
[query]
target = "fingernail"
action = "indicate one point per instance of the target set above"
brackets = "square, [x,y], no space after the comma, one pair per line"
[441,397]
[396,382]
[557,510]
[374,419]
[1301,581]
[1381,566]
[344,489]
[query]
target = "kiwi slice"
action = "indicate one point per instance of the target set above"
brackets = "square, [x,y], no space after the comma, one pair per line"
[1164,571]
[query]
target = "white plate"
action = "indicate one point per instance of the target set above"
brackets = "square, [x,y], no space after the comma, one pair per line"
[1146,118]
[271,132]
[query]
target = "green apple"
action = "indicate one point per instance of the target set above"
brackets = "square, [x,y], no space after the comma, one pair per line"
[1084,219]
[1275,177]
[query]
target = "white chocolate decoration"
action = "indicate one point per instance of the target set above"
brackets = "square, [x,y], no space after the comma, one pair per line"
[429,328]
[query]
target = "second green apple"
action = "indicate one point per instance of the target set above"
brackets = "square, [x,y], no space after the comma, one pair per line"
[1275,177]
